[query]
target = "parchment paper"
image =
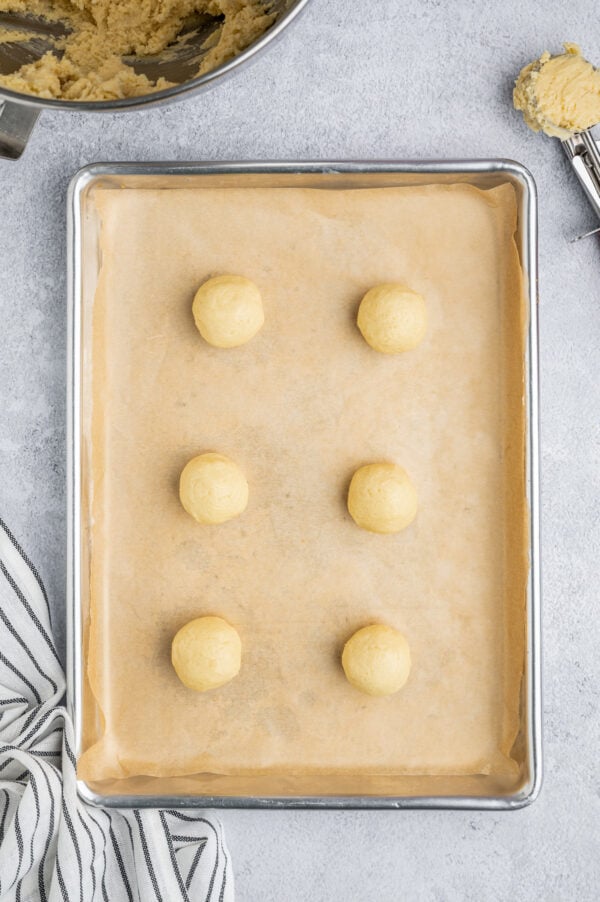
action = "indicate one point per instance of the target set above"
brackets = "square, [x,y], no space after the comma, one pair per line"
[299,408]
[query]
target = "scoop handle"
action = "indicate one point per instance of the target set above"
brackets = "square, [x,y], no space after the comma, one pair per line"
[582,150]
[16,124]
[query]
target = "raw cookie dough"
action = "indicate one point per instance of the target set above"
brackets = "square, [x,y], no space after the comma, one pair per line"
[206,653]
[228,311]
[90,65]
[559,95]
[376,660]
[392,318]
[213,489]
[382,498]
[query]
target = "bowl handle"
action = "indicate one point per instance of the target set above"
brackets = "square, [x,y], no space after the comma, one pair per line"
[16,124]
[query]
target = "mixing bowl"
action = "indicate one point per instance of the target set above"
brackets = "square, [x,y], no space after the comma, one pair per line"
[19,112]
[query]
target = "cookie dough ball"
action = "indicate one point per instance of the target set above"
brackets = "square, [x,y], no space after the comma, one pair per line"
[228,311]
[376,660]
[206,653]
[392,318]
[213,489]
[382,498]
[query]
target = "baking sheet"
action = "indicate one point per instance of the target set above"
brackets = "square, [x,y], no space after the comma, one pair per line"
[300,407]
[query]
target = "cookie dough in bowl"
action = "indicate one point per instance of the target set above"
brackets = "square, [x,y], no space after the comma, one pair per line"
[213,489]
[376,660]
[206,653]
[382,498]
[392,318]
[96,45]
[228,311]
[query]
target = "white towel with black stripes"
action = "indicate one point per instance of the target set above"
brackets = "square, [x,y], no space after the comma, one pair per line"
[52,845]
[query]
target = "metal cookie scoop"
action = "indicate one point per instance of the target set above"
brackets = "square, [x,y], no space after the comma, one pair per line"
[584,154]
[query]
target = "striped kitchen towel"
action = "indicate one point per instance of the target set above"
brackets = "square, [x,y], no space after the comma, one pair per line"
[52,845]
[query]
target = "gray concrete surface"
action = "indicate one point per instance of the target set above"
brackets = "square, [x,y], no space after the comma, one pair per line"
[392,80]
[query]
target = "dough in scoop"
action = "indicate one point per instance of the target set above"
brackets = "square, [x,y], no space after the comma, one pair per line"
[559,95]
[213,489]
[228,311]
[376,660]
[206,653]
[382,498]
[392,318]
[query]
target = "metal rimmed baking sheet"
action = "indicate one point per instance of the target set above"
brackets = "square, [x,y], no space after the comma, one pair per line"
[382,789]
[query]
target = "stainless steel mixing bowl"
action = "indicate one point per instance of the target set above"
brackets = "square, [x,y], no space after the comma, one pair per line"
[19,112]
